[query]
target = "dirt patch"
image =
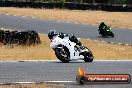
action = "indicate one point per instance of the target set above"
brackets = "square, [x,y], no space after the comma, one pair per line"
[40,85]
[115,19]
[44,52]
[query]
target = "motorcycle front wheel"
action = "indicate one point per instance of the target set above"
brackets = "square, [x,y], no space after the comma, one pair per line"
[112,35]
[62,53]
[88,56]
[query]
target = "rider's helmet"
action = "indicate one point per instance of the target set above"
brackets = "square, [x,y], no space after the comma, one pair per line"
[51,34]
[102,23]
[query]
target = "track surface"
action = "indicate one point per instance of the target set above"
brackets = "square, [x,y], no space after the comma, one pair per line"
[57,71]
[80,30]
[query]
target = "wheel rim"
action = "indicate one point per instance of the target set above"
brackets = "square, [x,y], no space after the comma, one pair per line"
[88,55]
[63,53]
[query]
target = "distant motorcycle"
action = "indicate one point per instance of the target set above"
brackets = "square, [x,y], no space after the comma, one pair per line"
[66,50]
[106,31]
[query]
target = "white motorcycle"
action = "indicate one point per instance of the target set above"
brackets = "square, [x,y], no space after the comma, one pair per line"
[67,50]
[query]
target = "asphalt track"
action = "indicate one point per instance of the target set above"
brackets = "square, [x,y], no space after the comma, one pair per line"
[57,71]
[79,30]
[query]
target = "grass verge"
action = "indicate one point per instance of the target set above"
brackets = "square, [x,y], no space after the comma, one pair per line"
[43,51]
[116,19]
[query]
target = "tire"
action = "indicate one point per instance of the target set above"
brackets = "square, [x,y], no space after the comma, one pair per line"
[88,56]
[112,35]
[82,80]
[60,56]
[103,34]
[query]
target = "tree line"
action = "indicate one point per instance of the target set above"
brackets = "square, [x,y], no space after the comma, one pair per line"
[78,1]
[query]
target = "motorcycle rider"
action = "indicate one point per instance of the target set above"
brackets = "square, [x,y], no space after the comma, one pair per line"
[51,34]
[102,27]
[75,40]
[72,38]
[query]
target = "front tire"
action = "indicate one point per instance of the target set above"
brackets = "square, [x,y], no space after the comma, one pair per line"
[112,35]
[88,56]
[62,54]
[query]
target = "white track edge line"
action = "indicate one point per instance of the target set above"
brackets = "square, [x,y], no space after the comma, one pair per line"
[71,61]
[5,83]
[60,81]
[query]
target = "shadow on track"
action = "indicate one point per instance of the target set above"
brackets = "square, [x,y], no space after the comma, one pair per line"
[101,37]
[70,62]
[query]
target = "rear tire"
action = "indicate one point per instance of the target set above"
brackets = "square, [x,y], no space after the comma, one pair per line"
[61,57]
[103,34]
